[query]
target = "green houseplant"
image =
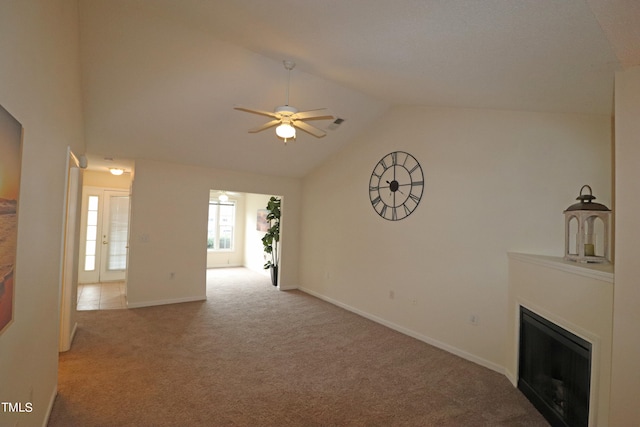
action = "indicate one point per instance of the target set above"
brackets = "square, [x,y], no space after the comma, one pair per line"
[272,237]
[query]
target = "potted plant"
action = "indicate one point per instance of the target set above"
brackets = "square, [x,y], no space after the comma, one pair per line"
[272,237]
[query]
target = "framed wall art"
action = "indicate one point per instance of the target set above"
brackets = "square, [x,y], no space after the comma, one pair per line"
[10,161]
[261,221]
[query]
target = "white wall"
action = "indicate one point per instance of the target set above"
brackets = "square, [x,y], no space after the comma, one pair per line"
[625,383]
[495,181]
[106,180]
[254,250]
[39,86]
[169,206]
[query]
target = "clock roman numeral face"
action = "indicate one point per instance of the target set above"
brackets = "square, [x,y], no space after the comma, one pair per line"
[396,186]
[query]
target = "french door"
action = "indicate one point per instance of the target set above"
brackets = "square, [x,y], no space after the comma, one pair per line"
[104,235]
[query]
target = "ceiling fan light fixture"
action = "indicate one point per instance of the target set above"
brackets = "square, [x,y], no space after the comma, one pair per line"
[285,117]
[286,131]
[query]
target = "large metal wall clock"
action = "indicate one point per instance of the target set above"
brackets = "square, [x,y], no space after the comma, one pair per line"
[396,186]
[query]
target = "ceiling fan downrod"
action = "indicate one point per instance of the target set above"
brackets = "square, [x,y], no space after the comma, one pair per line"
[288,65]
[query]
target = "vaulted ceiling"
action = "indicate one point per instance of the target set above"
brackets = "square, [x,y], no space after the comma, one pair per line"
[161,77]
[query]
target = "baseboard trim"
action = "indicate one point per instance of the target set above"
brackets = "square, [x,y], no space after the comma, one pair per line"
[165,301]
[73,334]
[224,266]
[70,342]
[52,399]
[436,343]
[511,377]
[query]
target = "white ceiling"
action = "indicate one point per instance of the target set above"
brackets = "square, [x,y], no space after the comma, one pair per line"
[161,77]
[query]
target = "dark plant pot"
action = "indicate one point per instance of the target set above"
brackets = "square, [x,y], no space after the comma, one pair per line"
[274,275]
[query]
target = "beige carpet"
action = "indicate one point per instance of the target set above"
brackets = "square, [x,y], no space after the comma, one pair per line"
[255,356]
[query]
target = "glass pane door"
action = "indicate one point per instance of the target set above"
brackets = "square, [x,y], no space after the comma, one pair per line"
[115,233]
[104,235]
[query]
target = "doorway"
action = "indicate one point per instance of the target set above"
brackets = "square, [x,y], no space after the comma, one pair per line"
[234,235]
[104,244]
[104,235]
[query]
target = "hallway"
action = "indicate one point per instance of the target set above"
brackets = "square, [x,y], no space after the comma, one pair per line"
[101,296]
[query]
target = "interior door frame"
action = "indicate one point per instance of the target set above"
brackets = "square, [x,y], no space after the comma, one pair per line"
[68,289]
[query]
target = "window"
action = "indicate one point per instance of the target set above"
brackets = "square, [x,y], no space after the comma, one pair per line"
[222,218]
[92,234]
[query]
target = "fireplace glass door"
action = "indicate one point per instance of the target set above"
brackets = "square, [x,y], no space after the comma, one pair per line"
[554,370]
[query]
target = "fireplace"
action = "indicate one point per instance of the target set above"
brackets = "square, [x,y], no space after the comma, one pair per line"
[554,370]
[573,296]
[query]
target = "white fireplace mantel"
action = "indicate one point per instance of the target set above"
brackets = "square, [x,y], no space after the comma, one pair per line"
[602,272]
[575,296]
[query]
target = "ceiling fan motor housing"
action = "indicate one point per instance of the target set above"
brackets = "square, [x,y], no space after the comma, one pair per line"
[286,110]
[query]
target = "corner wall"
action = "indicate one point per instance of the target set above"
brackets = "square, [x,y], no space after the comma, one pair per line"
[625,378]
[40,87]
[495,181]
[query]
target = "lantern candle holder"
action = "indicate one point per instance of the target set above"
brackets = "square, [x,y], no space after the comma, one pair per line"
[587,228]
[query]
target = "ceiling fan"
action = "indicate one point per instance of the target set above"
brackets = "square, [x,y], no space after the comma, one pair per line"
[288,118]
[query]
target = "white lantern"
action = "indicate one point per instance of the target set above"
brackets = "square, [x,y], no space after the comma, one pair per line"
[587,228]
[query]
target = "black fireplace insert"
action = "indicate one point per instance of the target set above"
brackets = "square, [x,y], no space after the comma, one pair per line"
[554,370]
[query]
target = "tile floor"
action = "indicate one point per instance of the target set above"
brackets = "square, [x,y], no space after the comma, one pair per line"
[101,296]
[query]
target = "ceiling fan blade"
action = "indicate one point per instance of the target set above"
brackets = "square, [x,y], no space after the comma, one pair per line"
[319,114]
[308,128]
[267,125]
[263,113]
